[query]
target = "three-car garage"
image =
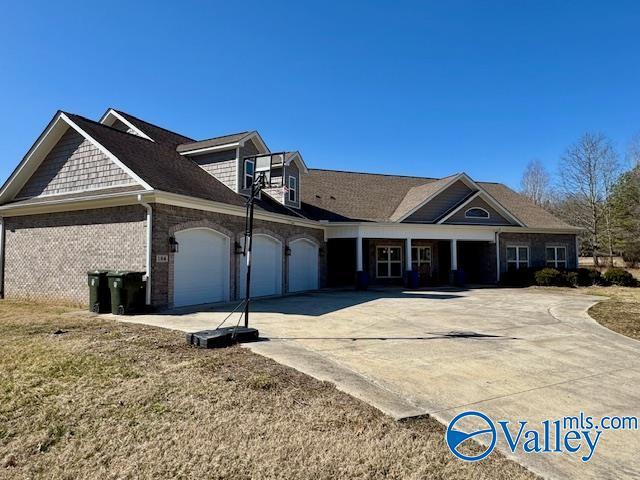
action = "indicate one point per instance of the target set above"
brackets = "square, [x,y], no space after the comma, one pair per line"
[203,263]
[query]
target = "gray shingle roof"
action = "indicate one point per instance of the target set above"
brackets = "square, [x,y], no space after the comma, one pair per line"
[159,134]
[416,195]
[326,194]
[158,164]
[522,208]
[355,196]
[349,196]
[164,169]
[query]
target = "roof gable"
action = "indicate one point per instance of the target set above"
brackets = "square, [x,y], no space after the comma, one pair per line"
[485,201]
[53,133]
[460,215]
[74,164]
[430,204]
[224,142]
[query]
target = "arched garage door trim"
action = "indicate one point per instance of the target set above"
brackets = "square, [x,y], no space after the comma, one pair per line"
[190,273]
[303,272]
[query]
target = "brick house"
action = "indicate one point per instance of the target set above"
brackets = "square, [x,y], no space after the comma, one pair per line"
[122,193]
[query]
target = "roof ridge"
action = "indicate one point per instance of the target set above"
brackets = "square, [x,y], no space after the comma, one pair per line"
[149,123]
[129,135]
[374,173]
[247,132]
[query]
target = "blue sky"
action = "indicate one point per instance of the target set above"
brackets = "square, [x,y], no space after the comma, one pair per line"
[420,88]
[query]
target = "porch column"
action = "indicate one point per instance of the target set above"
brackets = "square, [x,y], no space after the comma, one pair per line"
[408,254]
[359,253]
[454,254]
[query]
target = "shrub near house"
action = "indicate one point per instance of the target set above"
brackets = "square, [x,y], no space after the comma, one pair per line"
[619,276]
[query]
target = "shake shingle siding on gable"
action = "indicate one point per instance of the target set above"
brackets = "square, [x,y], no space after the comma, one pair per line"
[495,218]
[221,165]
[441,203]
[74,164]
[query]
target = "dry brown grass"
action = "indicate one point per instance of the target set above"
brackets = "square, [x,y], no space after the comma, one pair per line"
[89,398]
[620,312]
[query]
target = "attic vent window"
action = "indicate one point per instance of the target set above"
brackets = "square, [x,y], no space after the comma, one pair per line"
[476,212]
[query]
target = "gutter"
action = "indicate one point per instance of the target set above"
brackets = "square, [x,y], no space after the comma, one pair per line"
[147,276]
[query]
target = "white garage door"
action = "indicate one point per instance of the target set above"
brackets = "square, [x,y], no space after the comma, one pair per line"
[303,266]
[201,267]
[266,267]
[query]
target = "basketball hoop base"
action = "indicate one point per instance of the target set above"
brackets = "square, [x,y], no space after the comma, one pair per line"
[222,337]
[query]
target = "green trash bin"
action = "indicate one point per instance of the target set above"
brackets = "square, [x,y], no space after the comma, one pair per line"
[127,292]
[99,295]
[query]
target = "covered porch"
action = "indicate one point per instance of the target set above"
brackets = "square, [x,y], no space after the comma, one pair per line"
[386,255]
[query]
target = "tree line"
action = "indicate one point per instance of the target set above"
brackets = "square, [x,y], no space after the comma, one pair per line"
[596,188]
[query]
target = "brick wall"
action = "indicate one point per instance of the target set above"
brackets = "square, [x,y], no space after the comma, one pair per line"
[169,219]
[537,243]
[47,256]
[74,164]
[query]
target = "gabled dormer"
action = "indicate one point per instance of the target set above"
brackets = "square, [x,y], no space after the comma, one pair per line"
[223,156]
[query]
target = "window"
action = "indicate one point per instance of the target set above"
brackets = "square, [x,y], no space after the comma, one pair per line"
[388,262]
[421,259]
[248,173]
[293,189]
[517,257]
[476,212]
[557,257]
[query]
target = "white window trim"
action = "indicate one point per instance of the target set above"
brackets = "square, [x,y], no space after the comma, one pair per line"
[388,261]
[294,189]
[555,261]
[416,260]
[517,261]
[244,172]
[476,218]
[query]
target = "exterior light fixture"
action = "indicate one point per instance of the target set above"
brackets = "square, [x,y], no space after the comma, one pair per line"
[287,251]
[237,248]
[174,245]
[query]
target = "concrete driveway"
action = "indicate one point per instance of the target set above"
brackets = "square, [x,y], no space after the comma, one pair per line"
[514,354]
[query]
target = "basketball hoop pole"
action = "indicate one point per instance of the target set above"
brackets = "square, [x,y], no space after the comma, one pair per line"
[256,186]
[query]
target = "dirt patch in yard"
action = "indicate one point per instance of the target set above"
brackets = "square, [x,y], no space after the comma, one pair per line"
[88,398]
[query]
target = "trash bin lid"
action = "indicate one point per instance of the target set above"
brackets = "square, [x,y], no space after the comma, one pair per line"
[97,272]
[118,273]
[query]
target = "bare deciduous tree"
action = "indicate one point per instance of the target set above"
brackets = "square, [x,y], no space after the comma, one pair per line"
[633,151]
[535,183]
[588,171]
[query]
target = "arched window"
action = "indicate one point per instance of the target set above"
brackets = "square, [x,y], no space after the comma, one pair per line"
[476,212]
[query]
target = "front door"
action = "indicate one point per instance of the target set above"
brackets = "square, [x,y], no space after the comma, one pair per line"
[421,261]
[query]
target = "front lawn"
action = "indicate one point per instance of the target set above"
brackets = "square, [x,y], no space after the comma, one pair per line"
[91,398]
[620,312]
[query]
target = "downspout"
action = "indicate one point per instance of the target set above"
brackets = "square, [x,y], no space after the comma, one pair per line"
[498,255]
[148,252]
